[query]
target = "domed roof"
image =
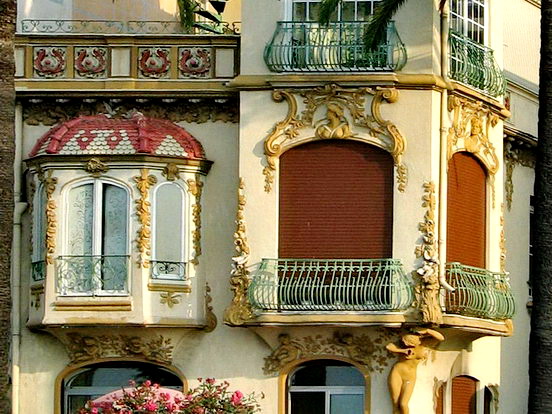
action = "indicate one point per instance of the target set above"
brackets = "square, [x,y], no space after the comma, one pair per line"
[102,135]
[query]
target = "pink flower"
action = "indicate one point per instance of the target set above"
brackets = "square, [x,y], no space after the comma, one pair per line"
[150,406]
[210,381]
[147,383]
[236,398]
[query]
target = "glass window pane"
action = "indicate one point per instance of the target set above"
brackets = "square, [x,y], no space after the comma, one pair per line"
[80,220]
[299,11]
[39,234]
[115,210]
[314,10]
[308,403]
[324,373]
[347,404]
[169,229]
[348,11]
[364,10]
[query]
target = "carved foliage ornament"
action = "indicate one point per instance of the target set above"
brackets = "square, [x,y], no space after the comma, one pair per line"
[143,240]
[470,131]
[239,310]
[49,184]
[95,167]
[195,187]
[170,298]
[154,62]
[194,62]
[82,348]
[362,349]
[427,276]
[345,117]
[91,62]
[49,62]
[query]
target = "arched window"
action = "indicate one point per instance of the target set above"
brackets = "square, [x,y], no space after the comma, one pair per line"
[169,237]
[466,210]
[464,392]
[95,259]
[326,387]
[336,201]
[96,380]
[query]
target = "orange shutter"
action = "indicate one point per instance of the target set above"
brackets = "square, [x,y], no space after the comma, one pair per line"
[464,390]
[466,210]
[336,201]
[439,409]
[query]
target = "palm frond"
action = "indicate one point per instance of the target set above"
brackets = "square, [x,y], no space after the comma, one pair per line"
[328,8]
[377,28]
[186,12]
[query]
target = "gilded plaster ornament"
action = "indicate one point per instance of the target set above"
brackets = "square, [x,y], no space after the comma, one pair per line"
[95,167]
[411,351]
[346,117]
[210,317]
[170,298]
[82,348]
[470,131]
[240,310]
[195,187]
[361,349]
[514,156]
[171,172]
[49,112]
[143,240]
[427,276]
[49,184]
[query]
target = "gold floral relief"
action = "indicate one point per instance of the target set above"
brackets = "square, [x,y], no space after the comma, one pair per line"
[210,317]
[427,276]
[95,167]
[170,298]
[240,310]
[143,210]
[195,187]
[345,116]
[49,184]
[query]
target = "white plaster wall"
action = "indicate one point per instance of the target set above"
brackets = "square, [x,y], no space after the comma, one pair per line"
[525,111]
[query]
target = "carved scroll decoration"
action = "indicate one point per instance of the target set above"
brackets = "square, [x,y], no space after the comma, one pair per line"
[346,118]
[470,131]
[239,310]
[143,240]
[49,184]
[362,349]
[82,348]
[95,167]
[427,276]
[195,187]
[514,156]
[210,317]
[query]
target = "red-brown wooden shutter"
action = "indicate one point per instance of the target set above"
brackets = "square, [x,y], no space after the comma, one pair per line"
[336,201]
[466,210]
[464,389]
[440,408]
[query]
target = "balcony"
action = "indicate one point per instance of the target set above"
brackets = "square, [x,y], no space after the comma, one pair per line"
[92,275]
[479,293]
[337,47]
[330,285]
[474,65]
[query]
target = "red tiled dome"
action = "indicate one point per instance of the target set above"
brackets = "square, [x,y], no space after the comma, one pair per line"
[101,135]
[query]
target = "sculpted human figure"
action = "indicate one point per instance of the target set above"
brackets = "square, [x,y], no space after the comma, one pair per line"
[288,351]
[336,125]
[402,378]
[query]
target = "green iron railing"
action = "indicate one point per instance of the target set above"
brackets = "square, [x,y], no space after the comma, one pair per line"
[339,46]
[330,285]
[479,293]
[92,275]
[474,64]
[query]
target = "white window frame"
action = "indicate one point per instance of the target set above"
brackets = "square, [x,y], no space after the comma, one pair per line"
[465,21]
[328,391]
[39,225]
[289,7]
[185,231]
[97,231]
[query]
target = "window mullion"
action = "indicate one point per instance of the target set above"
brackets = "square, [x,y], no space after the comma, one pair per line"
[97,232]
[328,401]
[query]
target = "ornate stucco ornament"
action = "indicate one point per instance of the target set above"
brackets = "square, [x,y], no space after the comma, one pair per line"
[95,167]
[427,276]
[239,310]
[49,185]
[82,348]
[361,349]
[332,112]
[91,62]
[470,131]
[171,172]
[143,236]
[515,156]
[170,298]
[210,317]
[49,62]
[195,187]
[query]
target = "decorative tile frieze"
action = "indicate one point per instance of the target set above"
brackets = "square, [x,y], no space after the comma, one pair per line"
[154,62]
[91,62]
[194,62]
[49,62]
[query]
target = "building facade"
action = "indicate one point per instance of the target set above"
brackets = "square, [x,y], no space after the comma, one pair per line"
[268,202]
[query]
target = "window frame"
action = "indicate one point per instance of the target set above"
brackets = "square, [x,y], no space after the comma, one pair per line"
[465,22]
[97,233]
[290,3]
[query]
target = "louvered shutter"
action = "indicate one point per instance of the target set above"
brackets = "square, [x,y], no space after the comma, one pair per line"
[464,390]
[466,210]
[336,201]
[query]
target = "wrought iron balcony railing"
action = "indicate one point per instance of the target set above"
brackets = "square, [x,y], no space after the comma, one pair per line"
[474,64]
[312,47]
[38,270]
[479,293]
[92,275]
[164,270]
[330,285]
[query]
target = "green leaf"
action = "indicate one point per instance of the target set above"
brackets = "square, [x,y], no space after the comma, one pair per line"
[186,10]
[377,28]
[327,10]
